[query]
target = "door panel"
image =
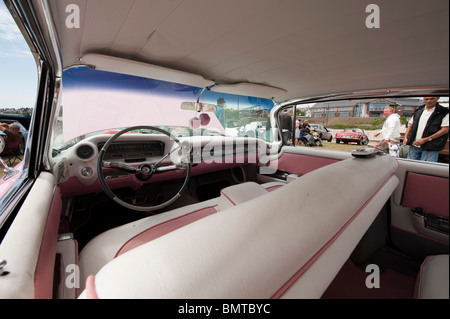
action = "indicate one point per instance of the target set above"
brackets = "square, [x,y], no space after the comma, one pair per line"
[300,161]
[422,185]
[427,192]
[302,164]
[30,242]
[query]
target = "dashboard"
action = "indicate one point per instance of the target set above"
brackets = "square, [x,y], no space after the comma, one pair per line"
[133,152]
[76,167]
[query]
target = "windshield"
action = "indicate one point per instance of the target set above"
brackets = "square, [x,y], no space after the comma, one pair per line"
[97,101]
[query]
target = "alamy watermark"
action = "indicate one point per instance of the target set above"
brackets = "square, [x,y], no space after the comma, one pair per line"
[373,19]
[373,280]
[73,17]
[225,151]
[73,276]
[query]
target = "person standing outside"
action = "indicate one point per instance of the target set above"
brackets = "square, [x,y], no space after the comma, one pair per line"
[390,131]
[220,111]
[286,126]
[427,131]
[268,129]
[297,132]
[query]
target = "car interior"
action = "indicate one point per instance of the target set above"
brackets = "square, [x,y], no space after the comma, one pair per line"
[131,210]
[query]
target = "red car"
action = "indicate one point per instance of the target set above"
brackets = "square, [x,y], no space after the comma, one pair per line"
[356,135]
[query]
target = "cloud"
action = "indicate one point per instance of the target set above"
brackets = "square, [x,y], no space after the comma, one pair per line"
[8,28]
[11,39]
[13,51]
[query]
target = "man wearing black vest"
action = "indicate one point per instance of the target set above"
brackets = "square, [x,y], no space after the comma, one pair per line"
[427,132]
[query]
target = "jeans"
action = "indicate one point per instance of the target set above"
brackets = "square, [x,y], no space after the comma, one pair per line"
[286,136]
[416,153]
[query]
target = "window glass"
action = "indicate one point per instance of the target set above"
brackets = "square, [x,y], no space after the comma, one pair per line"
[354,124]
[95,101]
[378,106]
[18,88]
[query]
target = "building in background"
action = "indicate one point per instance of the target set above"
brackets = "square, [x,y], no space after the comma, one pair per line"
[365,108]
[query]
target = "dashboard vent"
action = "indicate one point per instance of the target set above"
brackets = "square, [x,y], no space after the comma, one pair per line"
[85,152]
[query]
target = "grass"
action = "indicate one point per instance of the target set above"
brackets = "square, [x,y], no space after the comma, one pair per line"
[341,123]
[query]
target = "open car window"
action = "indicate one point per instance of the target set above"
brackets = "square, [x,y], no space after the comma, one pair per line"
[346,125]
[18,91]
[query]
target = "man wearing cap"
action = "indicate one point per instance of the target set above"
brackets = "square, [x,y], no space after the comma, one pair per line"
[220,110]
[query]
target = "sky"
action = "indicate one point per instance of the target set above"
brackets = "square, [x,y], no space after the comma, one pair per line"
[18,72]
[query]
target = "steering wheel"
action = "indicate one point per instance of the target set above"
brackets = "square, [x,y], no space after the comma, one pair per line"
[146,170]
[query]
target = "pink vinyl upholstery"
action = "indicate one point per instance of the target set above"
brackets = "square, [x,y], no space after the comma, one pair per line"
[29,246]
[302,164]
[43,276]
[127,237]
[433,279]
[238,194]
[165,228]
[237,252]
[90,288]
[434,189]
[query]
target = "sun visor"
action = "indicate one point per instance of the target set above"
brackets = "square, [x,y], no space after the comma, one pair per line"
[130,67]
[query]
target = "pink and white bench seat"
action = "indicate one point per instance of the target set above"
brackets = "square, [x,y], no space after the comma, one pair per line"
[288,243]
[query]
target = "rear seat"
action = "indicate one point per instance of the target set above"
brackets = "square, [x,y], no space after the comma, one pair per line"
[433,279]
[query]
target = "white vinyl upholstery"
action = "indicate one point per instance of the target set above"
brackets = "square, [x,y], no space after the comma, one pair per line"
[23,241]
[238,194]
[288,243]
[433,279]
[105,247]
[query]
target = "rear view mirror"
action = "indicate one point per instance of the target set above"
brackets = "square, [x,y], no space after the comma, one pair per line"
[199,107]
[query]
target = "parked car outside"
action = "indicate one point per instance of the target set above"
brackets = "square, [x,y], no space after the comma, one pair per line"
[324,133]
[354,135]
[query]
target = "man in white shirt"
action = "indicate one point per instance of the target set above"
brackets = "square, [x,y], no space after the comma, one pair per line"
[390,130]
[427,132]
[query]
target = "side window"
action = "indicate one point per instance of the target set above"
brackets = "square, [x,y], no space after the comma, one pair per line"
[18,87]
[346,125]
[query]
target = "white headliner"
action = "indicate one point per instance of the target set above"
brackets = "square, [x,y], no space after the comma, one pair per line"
[298,48]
